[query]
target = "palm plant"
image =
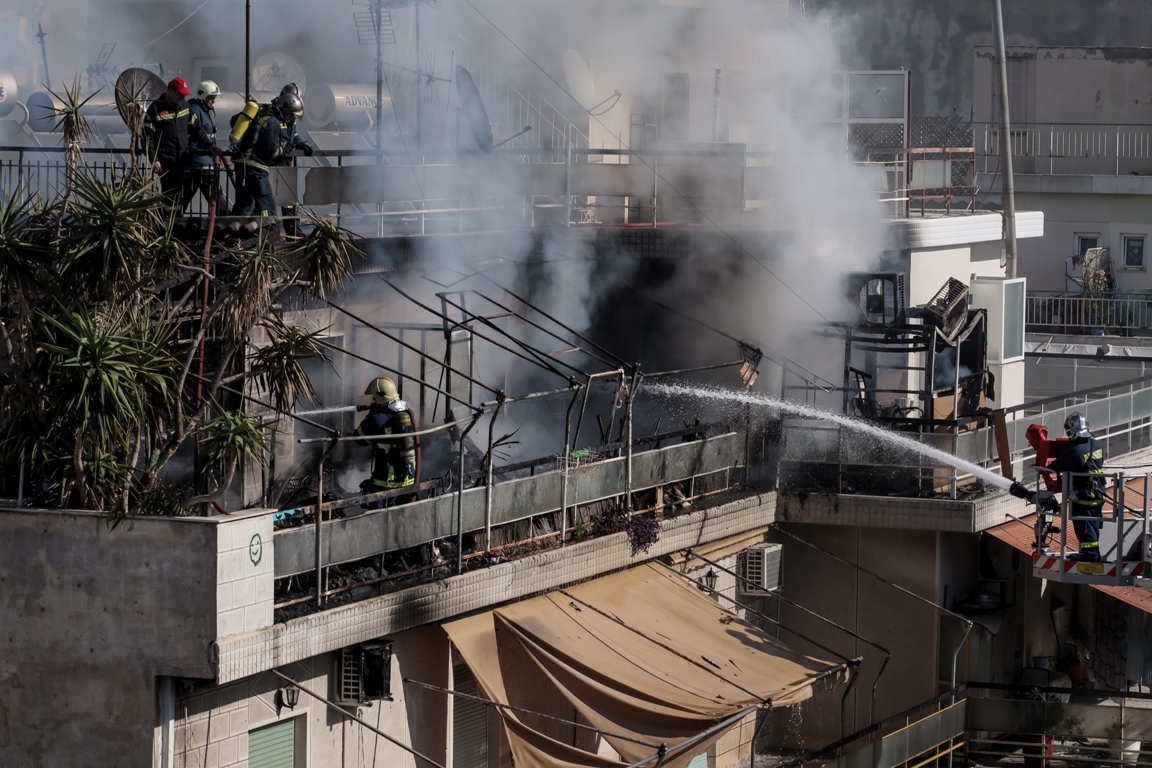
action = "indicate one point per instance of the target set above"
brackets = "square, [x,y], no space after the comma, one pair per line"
[108,365]
[74,132]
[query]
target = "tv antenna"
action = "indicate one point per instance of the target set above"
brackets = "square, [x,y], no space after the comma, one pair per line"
[581,86]
[274,70]
[137,87]
[96,73]
[40,35]
[472,107]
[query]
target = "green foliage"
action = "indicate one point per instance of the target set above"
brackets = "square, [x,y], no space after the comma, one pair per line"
[324,258]
[278,366]
[233,435]
[107,362]
[110,242]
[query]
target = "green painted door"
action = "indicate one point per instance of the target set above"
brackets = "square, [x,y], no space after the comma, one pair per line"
[700,761]
[273,746]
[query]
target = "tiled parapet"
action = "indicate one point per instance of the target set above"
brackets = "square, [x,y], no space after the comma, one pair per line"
[244,572]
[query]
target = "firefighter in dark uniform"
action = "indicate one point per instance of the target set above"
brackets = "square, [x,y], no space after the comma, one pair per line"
[290,134]
[1083,454]
[393,461]
[264,144]
[201,173]
[168,126]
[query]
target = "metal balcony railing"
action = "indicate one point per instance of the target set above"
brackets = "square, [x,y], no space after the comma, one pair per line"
[1110,314]
[1068,148]
[399,193]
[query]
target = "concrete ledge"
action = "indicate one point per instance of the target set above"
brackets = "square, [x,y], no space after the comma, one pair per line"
[241,655]
[878,512]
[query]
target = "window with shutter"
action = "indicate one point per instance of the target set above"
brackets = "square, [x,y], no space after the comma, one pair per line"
[273,746]
[1018,90]
[469,722]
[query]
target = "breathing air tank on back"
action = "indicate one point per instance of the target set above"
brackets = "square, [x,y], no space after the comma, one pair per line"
[243,120]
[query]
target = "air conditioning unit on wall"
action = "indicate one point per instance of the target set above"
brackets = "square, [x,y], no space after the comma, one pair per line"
[759,569]
[364,673]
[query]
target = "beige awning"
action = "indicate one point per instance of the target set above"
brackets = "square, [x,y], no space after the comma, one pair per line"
[641,654]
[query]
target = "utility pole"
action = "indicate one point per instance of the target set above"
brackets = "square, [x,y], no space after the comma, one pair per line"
[247,51]
[379,82]
[1007,185]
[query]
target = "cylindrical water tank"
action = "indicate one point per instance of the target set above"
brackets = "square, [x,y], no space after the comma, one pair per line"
[9,93]
[345,107]
[43,110]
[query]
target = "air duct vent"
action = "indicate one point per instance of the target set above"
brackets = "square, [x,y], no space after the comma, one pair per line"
[364,674]
[948,309]
[759,569]
[878,295]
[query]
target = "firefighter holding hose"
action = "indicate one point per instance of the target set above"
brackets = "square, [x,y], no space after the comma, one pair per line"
[1082,455]
[393,460]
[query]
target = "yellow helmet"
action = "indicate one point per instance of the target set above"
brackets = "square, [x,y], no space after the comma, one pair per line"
[383,390]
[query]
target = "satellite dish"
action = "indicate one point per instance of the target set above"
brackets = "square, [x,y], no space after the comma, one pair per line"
[473,108]
[136,87]
[274,70]
[579,78]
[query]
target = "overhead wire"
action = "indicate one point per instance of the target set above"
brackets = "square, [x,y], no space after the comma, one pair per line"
[179,24]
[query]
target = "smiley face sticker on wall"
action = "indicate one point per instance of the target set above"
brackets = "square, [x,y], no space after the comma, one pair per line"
[255,549]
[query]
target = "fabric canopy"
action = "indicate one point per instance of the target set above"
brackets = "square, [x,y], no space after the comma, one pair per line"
[640,655]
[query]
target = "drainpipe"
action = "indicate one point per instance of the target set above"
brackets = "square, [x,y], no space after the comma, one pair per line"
[716,110]
[488,478]
[564,475]
[1007,185]
[319,531]
[460,499]
[636,376]
[167,722]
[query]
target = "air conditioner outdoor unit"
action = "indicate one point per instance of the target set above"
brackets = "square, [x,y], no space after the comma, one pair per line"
[879,296]
[759,569]
[364,674]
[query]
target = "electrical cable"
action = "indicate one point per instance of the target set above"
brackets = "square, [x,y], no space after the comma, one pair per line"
[179,24]
[632,153]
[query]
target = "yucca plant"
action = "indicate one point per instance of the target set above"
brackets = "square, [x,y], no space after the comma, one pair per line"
[75,131]
[278,368]
[325,257]
[111,243]
[229,437]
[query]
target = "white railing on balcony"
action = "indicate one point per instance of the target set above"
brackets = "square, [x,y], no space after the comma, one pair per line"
[1068,148]
[1111,314]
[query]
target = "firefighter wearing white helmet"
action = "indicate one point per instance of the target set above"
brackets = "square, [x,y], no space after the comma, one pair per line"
[393,459]
[202,150]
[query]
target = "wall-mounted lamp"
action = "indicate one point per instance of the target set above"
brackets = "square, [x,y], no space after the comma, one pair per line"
[287,697]
[708,581]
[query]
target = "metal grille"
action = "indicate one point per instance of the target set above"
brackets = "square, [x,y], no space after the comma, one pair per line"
[350,677]
[939,132]
[366,26]
[876,135]
[578,460]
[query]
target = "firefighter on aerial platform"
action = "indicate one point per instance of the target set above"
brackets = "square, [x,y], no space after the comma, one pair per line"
[394,460]
[1084,457]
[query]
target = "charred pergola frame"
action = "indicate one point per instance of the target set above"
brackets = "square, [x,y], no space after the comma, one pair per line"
[470,311]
